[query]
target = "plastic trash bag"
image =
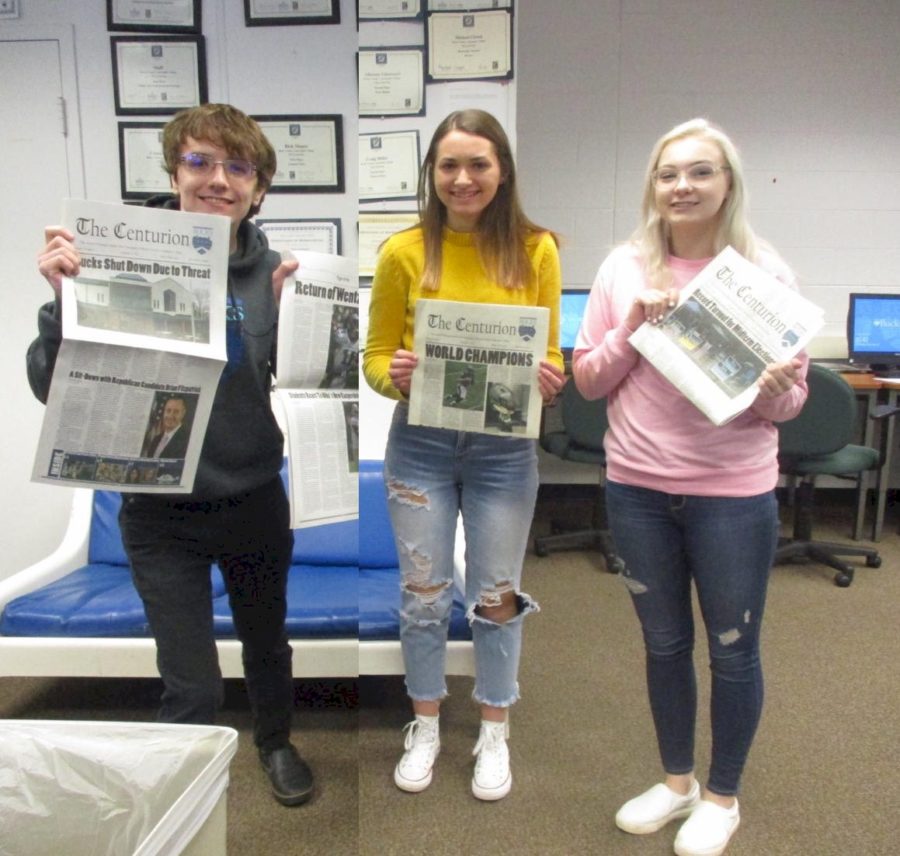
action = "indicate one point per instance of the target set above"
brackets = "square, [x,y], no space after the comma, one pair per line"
[108,788]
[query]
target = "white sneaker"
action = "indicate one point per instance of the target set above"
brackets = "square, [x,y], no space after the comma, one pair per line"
[653,809]
[708,830]
[492,779]
[422,745]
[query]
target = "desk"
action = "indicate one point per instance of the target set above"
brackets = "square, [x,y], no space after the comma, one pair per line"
[873,392]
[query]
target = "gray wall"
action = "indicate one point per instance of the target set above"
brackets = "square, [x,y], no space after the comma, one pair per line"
[807,89]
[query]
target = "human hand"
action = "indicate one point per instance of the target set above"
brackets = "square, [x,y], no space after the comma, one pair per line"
[550,382]
[401,368]
[650,305]
[59,257]
[778,378]
[280,274]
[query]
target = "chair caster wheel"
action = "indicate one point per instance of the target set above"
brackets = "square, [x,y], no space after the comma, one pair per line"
[842,580]
[873,561]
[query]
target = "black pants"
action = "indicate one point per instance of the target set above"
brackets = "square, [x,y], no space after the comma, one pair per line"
[171,545]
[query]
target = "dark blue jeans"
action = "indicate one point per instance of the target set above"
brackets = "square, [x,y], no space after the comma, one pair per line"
[726,546]
[171,545]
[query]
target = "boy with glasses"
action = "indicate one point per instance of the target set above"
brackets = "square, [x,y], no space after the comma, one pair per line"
[219,162]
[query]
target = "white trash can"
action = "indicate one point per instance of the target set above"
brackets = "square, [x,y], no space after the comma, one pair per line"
[113,788]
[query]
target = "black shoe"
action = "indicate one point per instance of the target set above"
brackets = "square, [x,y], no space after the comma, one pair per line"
[291,778]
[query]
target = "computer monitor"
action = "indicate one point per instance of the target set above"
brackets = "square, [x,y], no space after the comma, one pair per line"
[571,311]
[873,332]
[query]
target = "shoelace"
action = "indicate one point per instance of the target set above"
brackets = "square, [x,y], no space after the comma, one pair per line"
[490,739]
[413,730]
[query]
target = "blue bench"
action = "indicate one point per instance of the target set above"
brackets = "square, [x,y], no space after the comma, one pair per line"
[77,613]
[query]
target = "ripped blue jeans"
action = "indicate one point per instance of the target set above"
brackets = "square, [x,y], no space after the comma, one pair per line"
[726,546]
[431,476]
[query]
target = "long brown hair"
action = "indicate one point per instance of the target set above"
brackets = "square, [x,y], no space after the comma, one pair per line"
[502,228]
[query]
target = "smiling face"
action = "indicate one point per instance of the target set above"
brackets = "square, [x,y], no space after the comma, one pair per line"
[173,414]
[217,192]
[691,205]
[467,175]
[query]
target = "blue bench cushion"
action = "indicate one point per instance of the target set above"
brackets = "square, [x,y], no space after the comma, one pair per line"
[101,601]
[331,544]
[344,582]
[376,537]
[95,600]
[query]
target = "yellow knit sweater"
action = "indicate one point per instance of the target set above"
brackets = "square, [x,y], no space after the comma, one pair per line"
[395,290]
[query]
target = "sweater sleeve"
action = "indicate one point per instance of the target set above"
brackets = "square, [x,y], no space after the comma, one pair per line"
[42,352]
[603,356]
[387,322]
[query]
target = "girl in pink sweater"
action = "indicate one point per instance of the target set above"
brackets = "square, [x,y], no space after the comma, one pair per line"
[688,500]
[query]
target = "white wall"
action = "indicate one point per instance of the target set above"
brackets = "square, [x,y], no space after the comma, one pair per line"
[807,89]
[262,70]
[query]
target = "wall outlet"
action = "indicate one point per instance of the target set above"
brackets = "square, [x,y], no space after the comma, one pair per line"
[9,8]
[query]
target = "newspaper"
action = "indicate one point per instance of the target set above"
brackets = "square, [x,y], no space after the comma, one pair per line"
[732,320]
[143,348]
[318,386]
[478,367]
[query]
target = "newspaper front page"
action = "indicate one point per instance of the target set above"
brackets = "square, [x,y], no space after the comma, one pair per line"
[143,348]
[478,367]
[732,320]
[318,386]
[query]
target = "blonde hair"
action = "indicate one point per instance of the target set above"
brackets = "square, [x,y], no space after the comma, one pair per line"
[652,235]
[502,228]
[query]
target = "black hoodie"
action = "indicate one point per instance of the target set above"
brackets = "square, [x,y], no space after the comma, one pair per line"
[244,446]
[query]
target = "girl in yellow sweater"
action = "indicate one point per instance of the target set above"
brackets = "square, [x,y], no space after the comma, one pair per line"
[473,243]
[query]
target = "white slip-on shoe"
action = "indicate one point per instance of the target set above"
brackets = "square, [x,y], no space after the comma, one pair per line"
[492,779]
[653,809]
[708,830]
[422,744]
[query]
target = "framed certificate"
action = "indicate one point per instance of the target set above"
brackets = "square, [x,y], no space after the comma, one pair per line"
[158,75]
[264,13]
[163,16]
[388,10]
[374,230]
[142,170]
[310,152]
[467,5]
[322,236]
[469,45]
[388,165]
[392,81]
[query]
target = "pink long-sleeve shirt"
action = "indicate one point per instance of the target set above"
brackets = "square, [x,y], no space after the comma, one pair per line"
[657,439]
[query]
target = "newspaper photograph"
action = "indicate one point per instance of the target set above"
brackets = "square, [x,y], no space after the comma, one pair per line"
[318,386]
[149,277]
[318,323]
[126,419]
[478,367]
[732,320]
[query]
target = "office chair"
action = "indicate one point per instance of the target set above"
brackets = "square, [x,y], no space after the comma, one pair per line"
[818,442]
[581,440]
